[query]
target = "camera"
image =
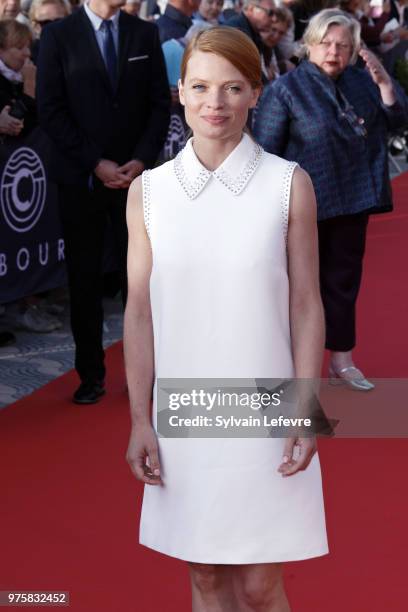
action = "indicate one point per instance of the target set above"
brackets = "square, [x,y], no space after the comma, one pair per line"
[18,110]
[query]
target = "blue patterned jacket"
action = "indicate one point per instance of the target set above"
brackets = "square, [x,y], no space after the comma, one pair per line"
[304,118]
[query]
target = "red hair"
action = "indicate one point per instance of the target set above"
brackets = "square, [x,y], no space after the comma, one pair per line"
[231,44]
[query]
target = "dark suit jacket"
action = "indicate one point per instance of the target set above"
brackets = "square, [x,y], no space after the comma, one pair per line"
[84,117]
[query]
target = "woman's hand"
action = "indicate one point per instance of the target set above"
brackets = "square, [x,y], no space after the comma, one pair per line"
[306,448]
[377,71]
[380,76]
[10,125]
[143,445]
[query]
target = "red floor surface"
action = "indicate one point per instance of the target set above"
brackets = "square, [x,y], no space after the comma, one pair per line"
[70,507]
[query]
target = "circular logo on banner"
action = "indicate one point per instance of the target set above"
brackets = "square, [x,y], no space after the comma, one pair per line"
[23,189]
[176,137]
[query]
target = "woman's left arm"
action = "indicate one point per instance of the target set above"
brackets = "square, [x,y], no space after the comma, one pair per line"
[306,310]
[393,98]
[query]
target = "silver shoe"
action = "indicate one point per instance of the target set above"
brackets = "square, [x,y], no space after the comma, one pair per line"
[359,383]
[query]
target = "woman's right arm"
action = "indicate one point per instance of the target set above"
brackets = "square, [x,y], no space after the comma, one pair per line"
[138,343]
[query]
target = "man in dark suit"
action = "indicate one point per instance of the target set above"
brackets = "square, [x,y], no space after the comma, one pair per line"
[256,16]
[176,19]
[103,99]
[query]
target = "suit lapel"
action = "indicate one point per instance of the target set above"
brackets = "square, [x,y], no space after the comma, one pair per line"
[125,33]
[88,45]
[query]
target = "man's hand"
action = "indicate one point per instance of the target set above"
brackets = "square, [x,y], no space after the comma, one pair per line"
[10,125]
[306,448]
[132,169]
[126,174]
[107,171]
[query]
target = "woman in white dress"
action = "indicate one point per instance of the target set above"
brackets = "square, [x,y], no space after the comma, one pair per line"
[223,283]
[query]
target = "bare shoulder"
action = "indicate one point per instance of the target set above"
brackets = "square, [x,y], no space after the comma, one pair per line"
[134,206]
[136,189]
[301,181]
[303,199]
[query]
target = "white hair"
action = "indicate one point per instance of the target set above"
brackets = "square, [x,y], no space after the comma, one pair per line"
[321,22]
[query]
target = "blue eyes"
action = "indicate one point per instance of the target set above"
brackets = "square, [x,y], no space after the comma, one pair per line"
[233,88]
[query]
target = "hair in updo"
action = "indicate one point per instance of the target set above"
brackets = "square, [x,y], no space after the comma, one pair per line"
[231,44]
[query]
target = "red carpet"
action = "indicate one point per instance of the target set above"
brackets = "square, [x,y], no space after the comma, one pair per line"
[70,506]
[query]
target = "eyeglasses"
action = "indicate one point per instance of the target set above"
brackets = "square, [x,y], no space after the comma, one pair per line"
[44,22]
[270,12]
[341,46]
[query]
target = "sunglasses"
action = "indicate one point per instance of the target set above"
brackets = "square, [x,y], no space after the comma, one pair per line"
[44,22]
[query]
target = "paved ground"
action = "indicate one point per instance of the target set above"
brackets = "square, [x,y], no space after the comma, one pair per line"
[38,358]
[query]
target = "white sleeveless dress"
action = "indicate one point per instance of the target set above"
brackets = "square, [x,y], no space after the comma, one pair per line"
[220,305]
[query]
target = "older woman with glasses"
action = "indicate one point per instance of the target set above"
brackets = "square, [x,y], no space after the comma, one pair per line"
[332,118]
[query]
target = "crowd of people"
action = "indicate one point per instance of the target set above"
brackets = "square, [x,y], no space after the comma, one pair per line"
[241,258]
[103,87]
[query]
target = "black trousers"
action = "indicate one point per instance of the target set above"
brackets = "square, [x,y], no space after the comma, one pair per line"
[84,216]
[341,251]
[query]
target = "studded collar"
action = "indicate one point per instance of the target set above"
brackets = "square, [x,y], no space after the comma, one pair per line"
[234,172]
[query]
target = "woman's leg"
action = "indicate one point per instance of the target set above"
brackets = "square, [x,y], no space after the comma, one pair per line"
[341,252]
[260,588]
[341,247]
[211,588]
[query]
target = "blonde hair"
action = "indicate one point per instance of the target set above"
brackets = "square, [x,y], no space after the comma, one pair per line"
[320,23]
[231,44]
[36,4]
